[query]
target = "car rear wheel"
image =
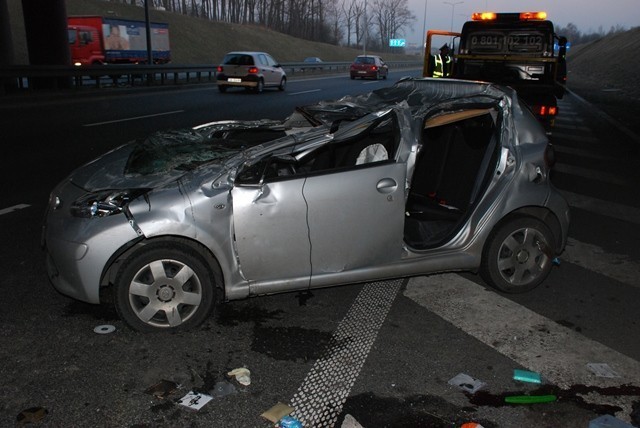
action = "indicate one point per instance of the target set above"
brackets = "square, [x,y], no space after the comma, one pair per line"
[283,84]
[518,255]
[259,86]
[164,288]
[222,89]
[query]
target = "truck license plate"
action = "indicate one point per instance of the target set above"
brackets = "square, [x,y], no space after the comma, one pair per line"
[235,80]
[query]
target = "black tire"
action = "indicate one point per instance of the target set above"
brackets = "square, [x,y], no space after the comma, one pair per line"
[259,87]
[222,88]
[385,75]
[164,288]
[353,77]
[518,255]
[283,84]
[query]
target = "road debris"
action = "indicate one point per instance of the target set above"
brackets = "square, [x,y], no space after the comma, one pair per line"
[31,415]
[242,375]
[194,400]
[466,383]
[530,399]
[104,329]
[526,376]
[289,422]
[602,370]
[608,421]
[277,412]
[162,389]
[222,389]
[350,422]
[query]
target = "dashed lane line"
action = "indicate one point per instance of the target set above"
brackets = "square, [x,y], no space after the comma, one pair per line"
[537,343]
[13,208]
[127,119]
[320,398]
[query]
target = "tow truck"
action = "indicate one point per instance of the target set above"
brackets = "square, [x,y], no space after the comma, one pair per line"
[520,50]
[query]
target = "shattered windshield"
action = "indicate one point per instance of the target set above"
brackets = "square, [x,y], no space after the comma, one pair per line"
[178,150]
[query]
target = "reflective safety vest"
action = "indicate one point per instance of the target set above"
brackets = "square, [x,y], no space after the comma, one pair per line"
[441,68]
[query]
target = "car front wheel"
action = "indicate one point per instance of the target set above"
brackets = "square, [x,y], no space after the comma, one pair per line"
[283,84]
[164,288]
[518,255]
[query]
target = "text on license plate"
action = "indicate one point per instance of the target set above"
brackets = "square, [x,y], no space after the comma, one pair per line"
[362,72]
[235,79]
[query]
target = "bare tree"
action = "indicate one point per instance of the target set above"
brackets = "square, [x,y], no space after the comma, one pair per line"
[391,17]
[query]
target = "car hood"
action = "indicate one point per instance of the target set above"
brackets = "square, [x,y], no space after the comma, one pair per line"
[155,161]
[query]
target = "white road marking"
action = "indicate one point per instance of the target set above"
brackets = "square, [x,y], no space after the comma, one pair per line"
[595,259]
[589,139]
[13,208]
[591,174]
[304,92]
[584,153]
[127,119]
[537,343]
[325,389]
[602,207]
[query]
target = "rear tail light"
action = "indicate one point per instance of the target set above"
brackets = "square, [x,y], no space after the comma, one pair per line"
[220,69]
[546,111]
[374,67]
[253,70]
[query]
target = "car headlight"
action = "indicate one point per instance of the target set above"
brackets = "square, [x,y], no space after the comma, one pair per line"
[106,203]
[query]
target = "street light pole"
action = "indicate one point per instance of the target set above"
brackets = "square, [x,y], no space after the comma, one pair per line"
[453,8]
[424,26]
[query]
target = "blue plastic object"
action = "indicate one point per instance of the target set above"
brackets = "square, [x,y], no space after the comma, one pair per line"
[290,422]
[526,376]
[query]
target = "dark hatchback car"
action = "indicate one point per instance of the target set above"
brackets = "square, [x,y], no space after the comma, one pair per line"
[369,66]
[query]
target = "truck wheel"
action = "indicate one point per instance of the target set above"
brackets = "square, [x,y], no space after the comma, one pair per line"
[164,288]
[516,257]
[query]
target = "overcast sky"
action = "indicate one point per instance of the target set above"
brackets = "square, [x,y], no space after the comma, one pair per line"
[587,15]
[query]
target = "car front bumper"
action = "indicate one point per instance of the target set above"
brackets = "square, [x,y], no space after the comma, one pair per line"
[80,249]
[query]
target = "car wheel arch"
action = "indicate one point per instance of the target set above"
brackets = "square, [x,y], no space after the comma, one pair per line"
[114,264]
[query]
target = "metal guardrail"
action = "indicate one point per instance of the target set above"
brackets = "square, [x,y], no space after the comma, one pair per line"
[54,77]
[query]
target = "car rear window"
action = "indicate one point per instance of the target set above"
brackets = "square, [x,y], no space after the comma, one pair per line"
[238,59]
[365,60]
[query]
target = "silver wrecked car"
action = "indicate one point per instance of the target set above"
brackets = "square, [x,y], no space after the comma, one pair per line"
[428,175]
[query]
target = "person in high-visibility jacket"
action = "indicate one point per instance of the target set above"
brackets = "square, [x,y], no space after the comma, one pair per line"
[442,62]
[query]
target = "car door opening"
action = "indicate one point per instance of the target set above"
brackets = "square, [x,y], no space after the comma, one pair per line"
[459,152]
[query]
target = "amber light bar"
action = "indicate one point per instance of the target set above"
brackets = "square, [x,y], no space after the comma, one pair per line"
[533,16]
[523,16]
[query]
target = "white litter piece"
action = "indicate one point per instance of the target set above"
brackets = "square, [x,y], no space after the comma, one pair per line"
[466,383]
[194,401]
[104,329]
[350,422]
[242,375]
[602,370]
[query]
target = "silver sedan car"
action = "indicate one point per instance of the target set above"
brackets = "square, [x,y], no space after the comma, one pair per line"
[428,175]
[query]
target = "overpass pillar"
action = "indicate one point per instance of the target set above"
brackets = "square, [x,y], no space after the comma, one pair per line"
[45,23]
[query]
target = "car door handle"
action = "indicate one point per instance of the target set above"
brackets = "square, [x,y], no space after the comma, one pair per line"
[386,185]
